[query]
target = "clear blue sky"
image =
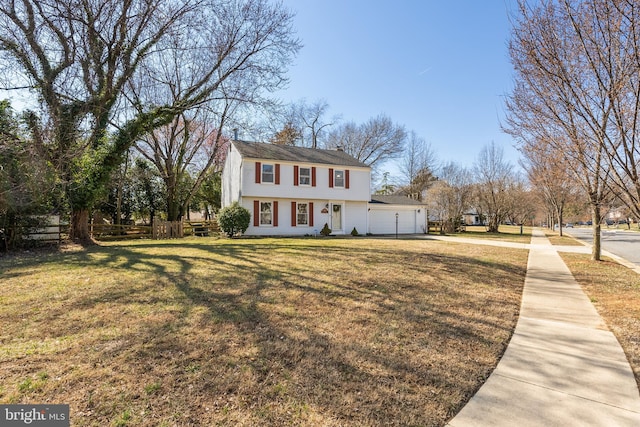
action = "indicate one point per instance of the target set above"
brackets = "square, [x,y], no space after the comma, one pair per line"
[440,68]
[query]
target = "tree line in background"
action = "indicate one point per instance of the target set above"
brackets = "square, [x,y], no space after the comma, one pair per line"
[176,169]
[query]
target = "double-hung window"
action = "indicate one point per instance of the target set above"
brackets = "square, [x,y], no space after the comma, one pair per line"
[268,173]
[338,178]
[303,214]
[266,217]
[305,176]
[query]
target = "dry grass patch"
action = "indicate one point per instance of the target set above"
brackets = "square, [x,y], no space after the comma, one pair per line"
[558,240]
[331,332]
[510,233]
[615,291]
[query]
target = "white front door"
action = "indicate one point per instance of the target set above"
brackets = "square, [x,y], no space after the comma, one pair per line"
[336,217]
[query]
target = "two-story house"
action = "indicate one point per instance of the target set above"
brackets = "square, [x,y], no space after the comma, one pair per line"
[296,190]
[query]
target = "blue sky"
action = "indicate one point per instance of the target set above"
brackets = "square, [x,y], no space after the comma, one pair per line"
[440,68]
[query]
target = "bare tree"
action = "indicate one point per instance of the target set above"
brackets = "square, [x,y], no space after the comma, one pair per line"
[520,200]
[450,196]
[311,120]
[373,143]
[80,58]
[559,100]
[609,37]
[417,165]
[299,123]
[553,180]
[185,152]
[493,176]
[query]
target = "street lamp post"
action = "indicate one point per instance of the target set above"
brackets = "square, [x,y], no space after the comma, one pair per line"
[396,225]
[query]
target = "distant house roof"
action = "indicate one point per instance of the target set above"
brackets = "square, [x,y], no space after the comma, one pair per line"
[263,151]
[395,200]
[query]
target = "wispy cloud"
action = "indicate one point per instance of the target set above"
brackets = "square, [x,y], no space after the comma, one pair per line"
[426,70]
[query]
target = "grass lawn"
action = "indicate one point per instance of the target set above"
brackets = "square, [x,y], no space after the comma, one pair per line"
[615,292]
[558,240]
[510,233]
[330,332]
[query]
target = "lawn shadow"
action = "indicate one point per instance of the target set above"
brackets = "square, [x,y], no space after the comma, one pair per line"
[349,340]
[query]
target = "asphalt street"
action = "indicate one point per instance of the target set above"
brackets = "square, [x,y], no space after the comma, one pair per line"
[625,244]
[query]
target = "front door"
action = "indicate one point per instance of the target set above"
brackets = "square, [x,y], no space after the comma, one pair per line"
[336,218]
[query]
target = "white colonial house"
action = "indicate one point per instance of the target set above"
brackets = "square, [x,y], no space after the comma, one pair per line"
[296,190]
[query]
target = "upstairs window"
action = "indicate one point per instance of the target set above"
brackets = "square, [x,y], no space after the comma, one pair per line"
[338,178]
[268,173]
[305,176]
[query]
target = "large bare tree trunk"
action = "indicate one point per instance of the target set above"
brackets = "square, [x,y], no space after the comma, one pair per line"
[560,219]
[596,218]
[79,227]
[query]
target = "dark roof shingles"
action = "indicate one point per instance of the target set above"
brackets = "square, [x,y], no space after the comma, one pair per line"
[260,150]
[395,200]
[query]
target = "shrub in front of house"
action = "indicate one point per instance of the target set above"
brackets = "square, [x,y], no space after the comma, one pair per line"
[354,232]
[325,230]
[234,219]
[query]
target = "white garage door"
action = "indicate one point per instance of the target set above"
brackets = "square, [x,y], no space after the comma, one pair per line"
[383,221]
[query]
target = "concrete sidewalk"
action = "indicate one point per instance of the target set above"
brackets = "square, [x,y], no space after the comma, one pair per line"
[563,367]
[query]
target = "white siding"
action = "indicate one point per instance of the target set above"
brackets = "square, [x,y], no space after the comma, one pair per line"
[354,214]
[231,177]
[359,183]
[356,217]
[239,184]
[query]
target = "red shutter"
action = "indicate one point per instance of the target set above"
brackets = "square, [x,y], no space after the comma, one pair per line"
[313,176]
[346,178]
[277,173]
[295,175]
[275,214]
[256,213]
[258,172]
[293,214]
[330,177]
[311,214]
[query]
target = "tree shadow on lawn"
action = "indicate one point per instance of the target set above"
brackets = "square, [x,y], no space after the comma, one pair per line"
[259,340]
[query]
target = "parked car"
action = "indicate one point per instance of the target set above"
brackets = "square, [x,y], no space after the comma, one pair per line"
[569,225]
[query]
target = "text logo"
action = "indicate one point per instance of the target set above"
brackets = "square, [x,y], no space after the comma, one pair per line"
[34,415]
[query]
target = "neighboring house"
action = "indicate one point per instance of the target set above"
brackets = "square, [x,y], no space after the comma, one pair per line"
[411,215]
[296,190]
[472,218]
[617,215]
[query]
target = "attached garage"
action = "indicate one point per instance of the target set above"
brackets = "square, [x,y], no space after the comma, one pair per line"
[411,215]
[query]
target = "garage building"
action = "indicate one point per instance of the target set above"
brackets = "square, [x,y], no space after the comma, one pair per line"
[411,215]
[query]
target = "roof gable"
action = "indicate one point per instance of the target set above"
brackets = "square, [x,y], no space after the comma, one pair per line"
[263,151]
